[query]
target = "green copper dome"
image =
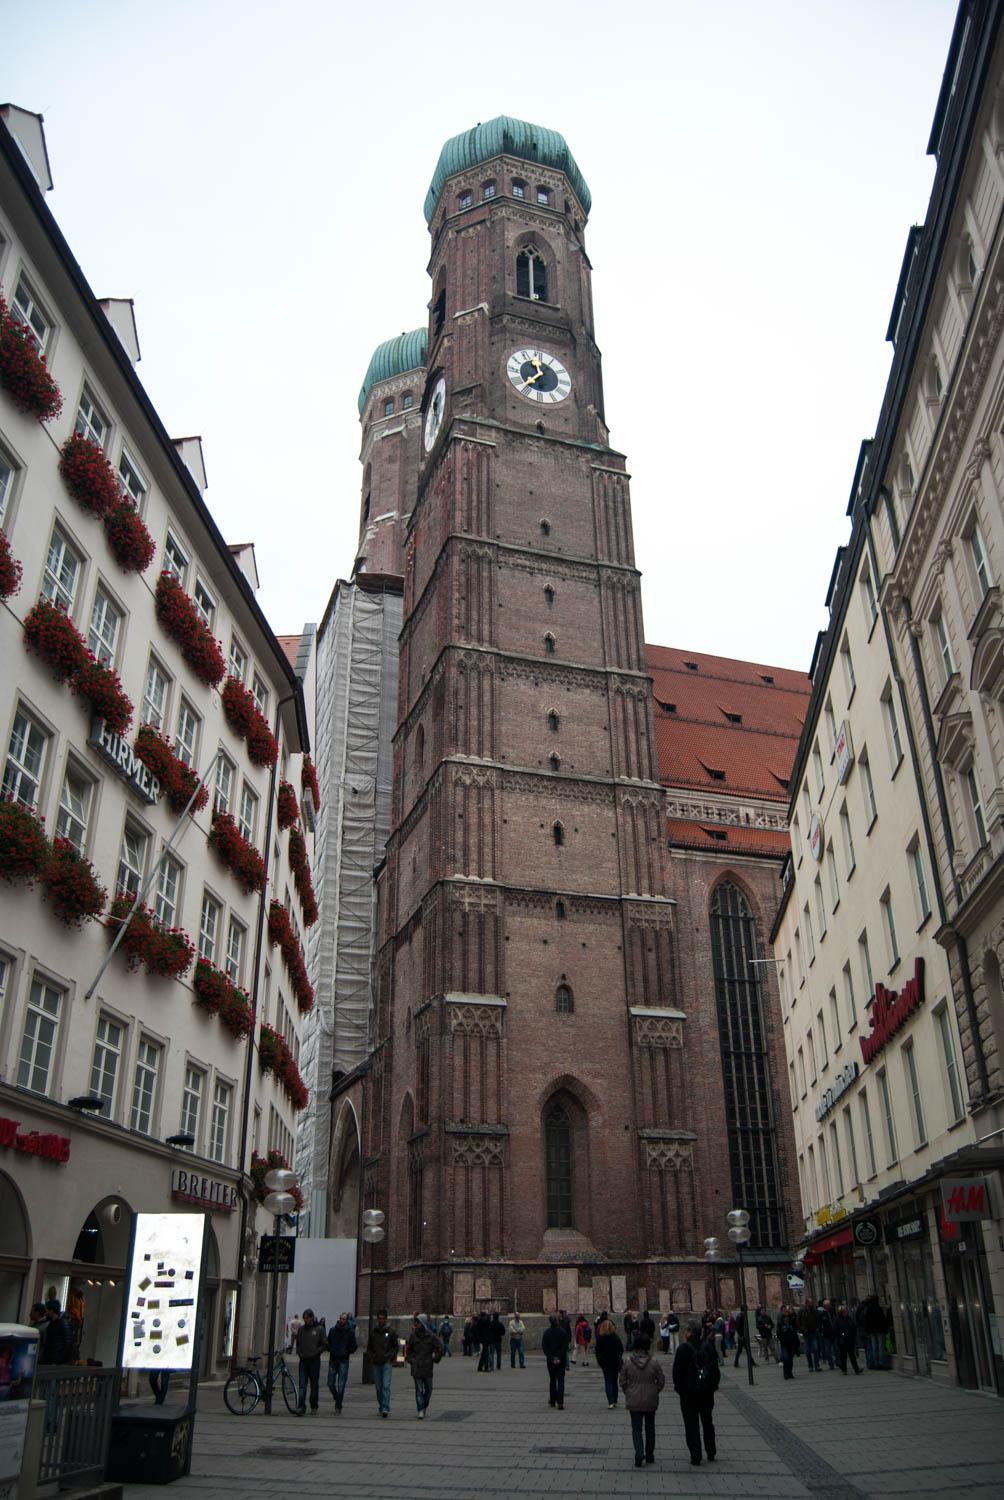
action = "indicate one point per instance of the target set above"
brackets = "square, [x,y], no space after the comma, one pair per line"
[513,138]
[394,357]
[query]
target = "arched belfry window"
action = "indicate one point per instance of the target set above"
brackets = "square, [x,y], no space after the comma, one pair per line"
[559,834]
[558,1148]
[749,1106]
[531,275]
[563,1002]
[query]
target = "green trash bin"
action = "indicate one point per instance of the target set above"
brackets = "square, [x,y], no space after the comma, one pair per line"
[151,1447]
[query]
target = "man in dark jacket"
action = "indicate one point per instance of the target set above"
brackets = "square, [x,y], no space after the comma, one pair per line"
[423,1353]
[311,1342]
[483,1337]
[695,1376]
[808,1327]
[55,1335]
[341,1345]
[497,1334]
[554,1345]
[381,1351]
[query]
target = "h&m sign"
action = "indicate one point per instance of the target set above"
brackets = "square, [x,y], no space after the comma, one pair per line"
[889,1011]
[968,1199]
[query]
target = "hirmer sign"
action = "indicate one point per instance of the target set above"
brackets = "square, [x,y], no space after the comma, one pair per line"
[120,754]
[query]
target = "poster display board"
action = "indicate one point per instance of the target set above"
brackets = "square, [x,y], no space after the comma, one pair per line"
[163,1291]
[18,1355]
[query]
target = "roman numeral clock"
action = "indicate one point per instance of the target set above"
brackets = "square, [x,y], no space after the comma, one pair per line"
[538,375]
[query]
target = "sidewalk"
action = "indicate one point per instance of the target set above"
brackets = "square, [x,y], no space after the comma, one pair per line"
[493,1436]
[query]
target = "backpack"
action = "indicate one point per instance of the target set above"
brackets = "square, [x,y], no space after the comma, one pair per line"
[704,1375]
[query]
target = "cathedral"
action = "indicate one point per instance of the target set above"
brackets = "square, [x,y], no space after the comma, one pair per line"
[572,1067]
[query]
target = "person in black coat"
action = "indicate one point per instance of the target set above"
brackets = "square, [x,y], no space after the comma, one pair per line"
[341,1345]
[787,1340]
[846,1334]
[497,1328]
[609,1353]
[697,1397]
[483,1338]
[554,1345]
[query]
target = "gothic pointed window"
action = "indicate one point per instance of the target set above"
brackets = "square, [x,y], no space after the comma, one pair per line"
[531,275]
[563,1000]
[439,314]
[549,644]
[749,1103]
[555,762]
[553,720]
[559,834]
[558,1148]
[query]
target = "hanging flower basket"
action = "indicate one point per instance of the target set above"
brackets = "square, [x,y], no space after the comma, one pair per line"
[24,847]
[52,635]
[105,693]
[300,866]
[88,475]
[245,719]
[287,811]
[282,936]
[261,1165]
[179,617]
[177,780]
[275,1057]
[216,995]
[166,952]
[10,570]
[130,543]
[71,886]
[24,374]
[308,780]
[241,858]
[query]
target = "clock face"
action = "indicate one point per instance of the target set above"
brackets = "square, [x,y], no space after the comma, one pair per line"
[434,414]
[538,375]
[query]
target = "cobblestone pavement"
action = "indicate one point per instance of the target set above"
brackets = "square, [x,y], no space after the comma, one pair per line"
[493,1436]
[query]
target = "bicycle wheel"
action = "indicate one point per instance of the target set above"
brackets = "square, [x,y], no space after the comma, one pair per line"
[289,1393]
[242,1392]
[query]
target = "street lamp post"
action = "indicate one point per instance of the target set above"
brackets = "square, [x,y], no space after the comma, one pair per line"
[373,1233]
[739,1234]
[279,1200]
[712,1255]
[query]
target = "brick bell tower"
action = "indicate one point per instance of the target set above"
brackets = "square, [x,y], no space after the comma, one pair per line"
[528,1134]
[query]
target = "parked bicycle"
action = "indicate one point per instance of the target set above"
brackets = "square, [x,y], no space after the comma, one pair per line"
[247,1386]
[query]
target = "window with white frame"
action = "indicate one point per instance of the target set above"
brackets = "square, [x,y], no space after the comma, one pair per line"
[220,1127]
[103,634]
[892,728]
[820,907]
[916,859]
[105,1063]
[798,957]
[238,660]
[209,927]
[7,472]
[813,1179]
[831,865]
[865,954]
[981,565]
[191,1102]
[890,1123]
[248,813]
[260,692]
[131,480]
[817,762]
[801,1072]
[866,1122]
[30,312]
[849,1000]
[74,808]
[154,695]
[976,806]
[22,775]
[175,558]
[810,1047]
[845,829]
[838,1166]
[792,1085]
[835,1030]
[824,1055]
[168,891]
[868,786]
[132,861]
[809,940]
[885,901]
[913,1087]
[186,741]
[62,571]
[38,1040]
[848,666]
[235,950]
[943,644]
[831,725]
[205,604]
[796,840]
[956,1108]
[868,594]
[225,773]
[852,1148]
[824,1168]
[144,1087]
[91,422]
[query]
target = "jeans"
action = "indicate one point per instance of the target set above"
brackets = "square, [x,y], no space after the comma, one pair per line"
[338,1374]
[485,1357]
[829,1350]
[787,1356]
[446,1345]
[875,1354]
[159,1381]
[643,1448]
[556,1375]
[310,1369]
[516,1348]
[740,1349]
[423,1391]
[812,1349]
[610,1381]
[381,1380]
[698,1414]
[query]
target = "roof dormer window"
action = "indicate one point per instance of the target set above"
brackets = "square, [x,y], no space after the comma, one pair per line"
[518,189]
[544,196]
[464,201]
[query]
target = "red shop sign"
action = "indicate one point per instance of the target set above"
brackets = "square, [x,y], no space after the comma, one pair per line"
[49,1147]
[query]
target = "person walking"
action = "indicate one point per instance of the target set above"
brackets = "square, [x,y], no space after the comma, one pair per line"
[874,1326]
[423,1352]
[311,1342]
[483,1340]
[646,1327]
[641,1380]
[609,1353]
[381,1351]
[55,1336]
[630,1329]
[845,1333]
[554,1344]
[583,1337]
[742,1337]
[696,1376]
[498,1334]
[787,1341]
[342,1345]
[673,1325]
[446,1333]
[808,1327]
[765,1333]
[467,1338]
[827,1340]
[517,1333]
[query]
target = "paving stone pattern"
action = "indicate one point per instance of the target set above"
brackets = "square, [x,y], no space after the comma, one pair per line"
[493,1436]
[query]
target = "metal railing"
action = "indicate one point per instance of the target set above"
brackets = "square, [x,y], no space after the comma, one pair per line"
[78,1416]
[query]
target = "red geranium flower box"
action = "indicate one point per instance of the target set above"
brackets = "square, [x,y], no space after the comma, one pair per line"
[10,570]
[308,780]
[215,993]
[130,543]
[105,693]
[177,780]
[24,847]
[71,885]
[300,866]
[88,475]
[287,811]
[52,635]
[282,936]
[181,620]
[241,858]
[24,374]
[244,719]
[275,1057]
[261,1166]
[166,952]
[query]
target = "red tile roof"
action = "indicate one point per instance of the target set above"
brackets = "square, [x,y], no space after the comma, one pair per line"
[688,835]
[290,645]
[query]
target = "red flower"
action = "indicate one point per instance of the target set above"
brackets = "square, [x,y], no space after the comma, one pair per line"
[49,631]
[105,693]
[165,951]
[244,719]
[275,1057]
[181,620]
[282,936]
[300,866]
[24,847]
[286,809]
[130,542]
[10,569]
[177,780]
[71,885]
[88,475]
[261,1166]
[240,857]
[215,993]
[24,374]
[308,780]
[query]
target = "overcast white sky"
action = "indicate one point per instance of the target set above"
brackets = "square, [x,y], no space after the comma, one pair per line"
[254,175]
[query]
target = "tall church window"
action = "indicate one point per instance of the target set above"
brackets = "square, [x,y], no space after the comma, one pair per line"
[439,314]
[549,644]
[553,720]
[559,834]
[563,1003]
[555,762]
[531,275]
[558,1148]
[749,1106]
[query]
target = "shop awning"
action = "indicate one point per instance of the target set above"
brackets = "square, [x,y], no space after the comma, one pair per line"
[818,1248]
